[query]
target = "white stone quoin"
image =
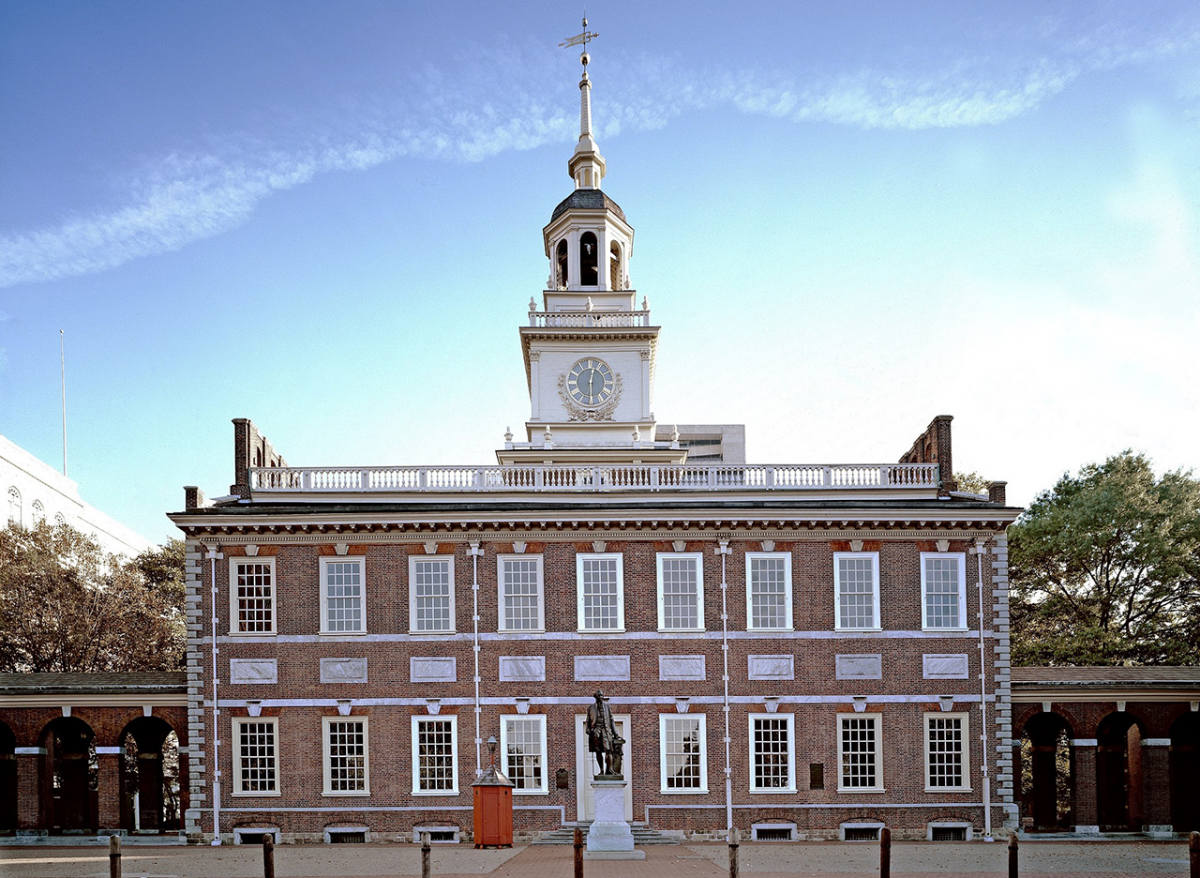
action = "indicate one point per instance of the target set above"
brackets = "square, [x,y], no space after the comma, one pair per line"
[610,837]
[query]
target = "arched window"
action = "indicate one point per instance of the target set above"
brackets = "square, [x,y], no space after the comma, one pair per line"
[14,506]
[614,267]
[58,519]
[589,260]
[39,512]
[560,263]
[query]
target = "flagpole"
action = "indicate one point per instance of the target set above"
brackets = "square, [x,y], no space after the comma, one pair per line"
[62,354]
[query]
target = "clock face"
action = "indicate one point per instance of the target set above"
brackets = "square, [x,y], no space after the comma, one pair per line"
[590,382]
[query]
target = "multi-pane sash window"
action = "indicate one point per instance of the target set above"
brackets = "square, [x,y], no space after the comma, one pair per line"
[431,594]
[772,753]
[435,755]
[601,602]
[768,591]
[683,759]
[943,589]
[523,741]
[521,597]
[946,766]
[256,757]
[346,756]
[856,589]
[859,753]
[252,595]
[342,596]
[680,592]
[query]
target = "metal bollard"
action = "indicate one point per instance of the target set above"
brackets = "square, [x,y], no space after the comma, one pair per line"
[735,839]
[1194,853]
[578,852]
[1012,856]
[426,856]
[268,856]
[114,856]
[885,853]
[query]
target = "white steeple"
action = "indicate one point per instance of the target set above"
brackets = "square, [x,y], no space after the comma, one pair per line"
[587,165]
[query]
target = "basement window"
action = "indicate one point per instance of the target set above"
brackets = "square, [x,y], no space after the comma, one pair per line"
[861,831]
[347,835]
[255,835]
[437,834]
[949,832]
[774,832]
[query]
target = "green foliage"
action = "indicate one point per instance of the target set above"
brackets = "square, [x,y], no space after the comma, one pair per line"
[1104,569]
[67,606]
[972,483]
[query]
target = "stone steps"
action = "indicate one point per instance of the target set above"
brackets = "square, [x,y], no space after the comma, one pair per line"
[642,835]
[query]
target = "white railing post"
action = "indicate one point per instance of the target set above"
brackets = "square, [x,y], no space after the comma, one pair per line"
[306,480]
[769,477]
[827,475]
[364,480]
[884,476]
[653,478]
[422,479]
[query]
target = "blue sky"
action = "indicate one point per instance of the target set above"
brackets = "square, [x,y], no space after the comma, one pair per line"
[850,218]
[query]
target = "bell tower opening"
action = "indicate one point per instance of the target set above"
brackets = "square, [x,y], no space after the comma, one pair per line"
[560,261]
[589,259]
[614,267]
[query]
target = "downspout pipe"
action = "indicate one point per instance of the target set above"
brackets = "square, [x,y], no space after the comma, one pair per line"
[476,552]
[980,550]
[724,551]
[213,555]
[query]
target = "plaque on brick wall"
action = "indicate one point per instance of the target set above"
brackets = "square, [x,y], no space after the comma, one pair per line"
[771,667]
[946,667]
[598,668]
[522,668]
[253,671]
[860,667]
[439,669]
[343,670]
[680,667]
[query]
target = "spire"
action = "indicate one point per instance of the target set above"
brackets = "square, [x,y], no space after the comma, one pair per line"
[586,166]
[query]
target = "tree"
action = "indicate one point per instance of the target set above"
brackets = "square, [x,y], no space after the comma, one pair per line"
[67,606]
[972,483]
[1104,568]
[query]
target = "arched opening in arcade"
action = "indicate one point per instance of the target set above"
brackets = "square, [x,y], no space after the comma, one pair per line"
[70,777]
[1185,773]
[8,780]
[1119,791]
[1047,774]
[150,777]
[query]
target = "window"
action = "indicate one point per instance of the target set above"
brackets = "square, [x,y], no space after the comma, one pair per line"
[39,512]
[943,591]
[14,506]
[601,602]
[435,755]
[589,259]
[523,743]
[342,593]
[859,753]
[946,756]
[431,594]
[256,757]
[252,595]
[346,772]
[522,605]
[768,591]
[683,757]
[856,590]
[680,591]
[772,753]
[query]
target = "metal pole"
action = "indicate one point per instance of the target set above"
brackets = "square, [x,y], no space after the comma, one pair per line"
[114,856]
[885,853]
[1194,854]
[1012,856]
[735,838]
[62,354]
[724,551]
[476,551]
[980,550]
[268,856]
[578,852]
[426,856]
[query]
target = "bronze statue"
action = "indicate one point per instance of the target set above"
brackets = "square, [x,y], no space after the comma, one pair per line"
[603,739]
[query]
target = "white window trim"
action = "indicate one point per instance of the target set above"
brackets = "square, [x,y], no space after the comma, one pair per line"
[662,754]
[579,559]
[326,722]
[269,560]
[877,719]
[416,761]
[837,591]
[962,591]
[362,575]
[698,557]
[787,569]
[236,735]
[966,741]
[791,724]
[412,597]
[544,790]
[541,580]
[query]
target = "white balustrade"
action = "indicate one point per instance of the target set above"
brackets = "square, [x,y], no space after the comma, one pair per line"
[585,319]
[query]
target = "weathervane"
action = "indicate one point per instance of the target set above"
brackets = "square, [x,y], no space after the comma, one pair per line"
[580,40]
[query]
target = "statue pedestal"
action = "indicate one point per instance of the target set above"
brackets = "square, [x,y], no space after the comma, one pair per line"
[610,837]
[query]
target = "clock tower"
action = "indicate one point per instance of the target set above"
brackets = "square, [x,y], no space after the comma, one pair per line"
[590,348]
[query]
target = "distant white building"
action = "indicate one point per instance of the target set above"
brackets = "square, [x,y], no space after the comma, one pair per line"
[35,491]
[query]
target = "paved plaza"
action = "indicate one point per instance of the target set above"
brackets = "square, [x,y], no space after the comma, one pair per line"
[828,860]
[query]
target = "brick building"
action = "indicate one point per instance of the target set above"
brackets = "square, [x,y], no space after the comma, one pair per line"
[792,649]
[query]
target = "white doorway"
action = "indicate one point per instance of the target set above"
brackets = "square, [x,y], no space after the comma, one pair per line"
[585,768]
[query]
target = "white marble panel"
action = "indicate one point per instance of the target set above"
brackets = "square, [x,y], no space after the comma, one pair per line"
[343,670]
[946,667]
[253,671]
[433,669]
[601,668]
[771,667]
[522,668]
[860,667]
[680,667]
